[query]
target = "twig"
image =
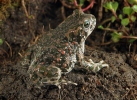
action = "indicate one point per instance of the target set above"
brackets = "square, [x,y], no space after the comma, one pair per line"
[84,9]
[114,30]
[105,21]
[129,37]
[24,7]
[103,39]
[89,6]
[63,12]
[20,54]
[9,48]
[75,3]
[100,11]
[77,6]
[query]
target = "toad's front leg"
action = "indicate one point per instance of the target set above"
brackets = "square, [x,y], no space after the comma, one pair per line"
[95,67]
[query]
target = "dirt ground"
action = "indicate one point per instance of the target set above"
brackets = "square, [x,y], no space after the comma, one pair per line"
[118,82]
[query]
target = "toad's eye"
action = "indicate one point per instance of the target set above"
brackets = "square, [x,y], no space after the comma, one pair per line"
[86,23]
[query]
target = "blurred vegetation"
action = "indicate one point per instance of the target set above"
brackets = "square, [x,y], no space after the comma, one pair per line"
[125,19]
[5,5]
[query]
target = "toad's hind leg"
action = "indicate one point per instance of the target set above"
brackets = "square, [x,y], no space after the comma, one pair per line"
[50,75]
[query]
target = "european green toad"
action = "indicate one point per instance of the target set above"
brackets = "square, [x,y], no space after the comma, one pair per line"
[57,51]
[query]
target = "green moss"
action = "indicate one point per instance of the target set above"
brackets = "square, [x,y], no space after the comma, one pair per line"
[5,5]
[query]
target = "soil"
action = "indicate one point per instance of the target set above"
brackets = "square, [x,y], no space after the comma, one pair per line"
[118,82]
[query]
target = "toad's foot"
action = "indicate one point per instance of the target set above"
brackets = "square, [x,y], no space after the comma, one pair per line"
[58,84]
[95,67]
